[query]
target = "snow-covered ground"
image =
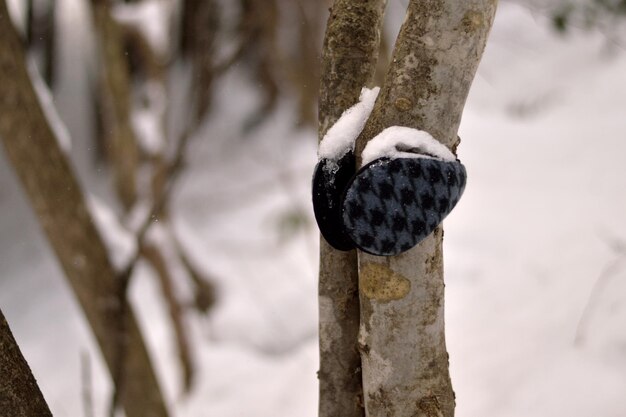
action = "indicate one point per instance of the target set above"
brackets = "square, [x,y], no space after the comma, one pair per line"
[541,223]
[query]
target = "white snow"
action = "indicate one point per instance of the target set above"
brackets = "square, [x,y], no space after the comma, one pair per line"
[138,215]
[405,142]
[152,18]
[121,243]
[49,109]
[341,136]
[17,10]
[147,119]
[146,125]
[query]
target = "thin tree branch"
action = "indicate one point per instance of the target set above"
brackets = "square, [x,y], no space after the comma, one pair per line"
[599,285]
[155,257]
[161,200]
[205,293]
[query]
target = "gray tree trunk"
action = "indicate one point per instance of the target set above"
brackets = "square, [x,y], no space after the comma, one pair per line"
[348,63]
[20,395]
[402,339]
[56,197]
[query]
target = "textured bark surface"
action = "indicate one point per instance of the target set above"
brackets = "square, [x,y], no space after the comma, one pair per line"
[58,202]
[402,339]
[349,56]
[348,63]
[340,389]
[20,395]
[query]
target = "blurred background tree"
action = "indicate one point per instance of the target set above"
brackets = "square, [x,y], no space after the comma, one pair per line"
[147,52]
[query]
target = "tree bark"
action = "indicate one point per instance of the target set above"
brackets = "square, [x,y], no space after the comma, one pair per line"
[349,56]
[348,62]
[58,202]
[20,395]
[200,23]
[401,339]
[115,90]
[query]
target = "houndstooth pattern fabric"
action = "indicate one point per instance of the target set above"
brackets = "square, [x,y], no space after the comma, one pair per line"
[393,204]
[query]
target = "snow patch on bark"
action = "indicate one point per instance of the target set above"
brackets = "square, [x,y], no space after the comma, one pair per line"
[363,335]
[147,119]
[405,142]
[119,241]
[152,19]
[17,12]
[44,95]
[340,138]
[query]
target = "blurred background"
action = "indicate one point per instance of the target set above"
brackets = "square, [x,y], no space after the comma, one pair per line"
[221,108]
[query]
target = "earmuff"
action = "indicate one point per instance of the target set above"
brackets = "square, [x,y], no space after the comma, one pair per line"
[408,184]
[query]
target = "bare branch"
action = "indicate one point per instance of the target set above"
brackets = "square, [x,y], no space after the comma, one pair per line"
[205,293]
[609,272]
[155,257]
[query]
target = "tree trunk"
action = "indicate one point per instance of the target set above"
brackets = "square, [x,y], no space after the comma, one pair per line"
[115,99]
[200,23]
[348,63]
[20,395]
[401,339]
[58,202]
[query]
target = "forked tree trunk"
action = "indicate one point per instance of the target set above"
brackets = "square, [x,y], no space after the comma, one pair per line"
[348,63]
[402,341]
[20,395]
[57,200]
